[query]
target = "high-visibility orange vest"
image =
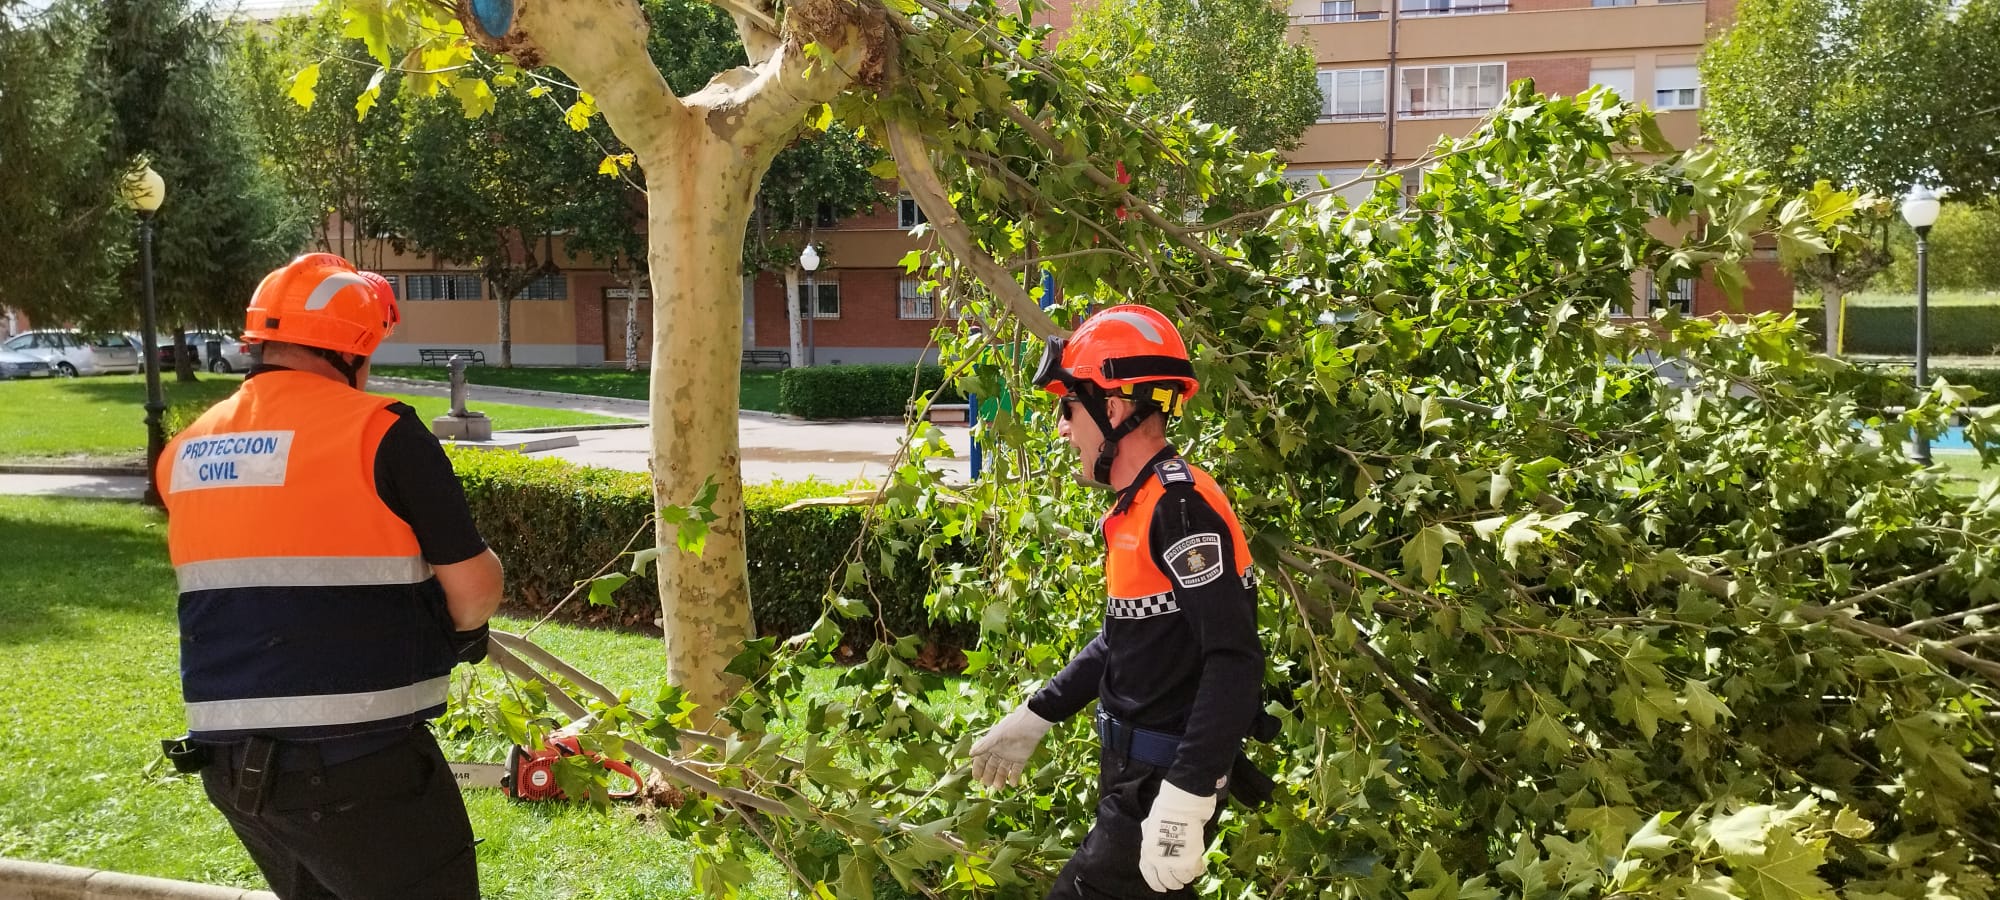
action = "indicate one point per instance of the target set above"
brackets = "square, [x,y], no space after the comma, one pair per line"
[1134,582]
[306,607]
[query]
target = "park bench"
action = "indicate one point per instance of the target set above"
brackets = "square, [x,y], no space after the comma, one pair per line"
[443,355]
[778,358]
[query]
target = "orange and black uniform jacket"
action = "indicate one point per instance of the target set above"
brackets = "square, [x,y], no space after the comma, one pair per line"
[1178,652]
[308,608]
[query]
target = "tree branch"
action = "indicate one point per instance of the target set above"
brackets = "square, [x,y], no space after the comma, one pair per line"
[913,165]
[601,44]
[1902,582]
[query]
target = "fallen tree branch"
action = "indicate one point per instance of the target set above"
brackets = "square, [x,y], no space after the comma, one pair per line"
[1902,582]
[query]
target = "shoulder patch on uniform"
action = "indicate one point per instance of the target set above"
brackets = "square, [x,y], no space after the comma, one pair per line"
[1195,560]
[1172,471]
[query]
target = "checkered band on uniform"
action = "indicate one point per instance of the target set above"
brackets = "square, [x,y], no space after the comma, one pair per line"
[1142,607]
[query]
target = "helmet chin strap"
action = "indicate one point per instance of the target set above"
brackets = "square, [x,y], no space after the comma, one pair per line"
[1099,408]
[352,370]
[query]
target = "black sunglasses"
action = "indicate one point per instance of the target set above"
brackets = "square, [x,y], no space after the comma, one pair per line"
[1066,406]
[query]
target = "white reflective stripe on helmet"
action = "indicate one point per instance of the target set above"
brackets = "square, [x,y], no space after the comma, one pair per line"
[301,571]
[1145,325]
[316,710]
[332,284]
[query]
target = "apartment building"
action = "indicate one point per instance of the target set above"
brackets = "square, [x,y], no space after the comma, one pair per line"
[1395,74]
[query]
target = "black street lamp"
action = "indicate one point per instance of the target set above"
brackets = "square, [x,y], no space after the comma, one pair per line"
[1920,209]
[809,261]
[145,190]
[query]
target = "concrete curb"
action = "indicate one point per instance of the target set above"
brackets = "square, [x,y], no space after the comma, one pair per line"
[24,880]
[615,406]
[138,469]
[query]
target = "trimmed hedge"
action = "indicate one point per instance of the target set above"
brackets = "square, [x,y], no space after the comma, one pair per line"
[1958,330]
[852,392]
[1898,386]
[553,524]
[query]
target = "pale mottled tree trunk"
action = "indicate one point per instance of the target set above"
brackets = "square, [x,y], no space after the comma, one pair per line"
[633,282]
[794,316]
[703,155]
[506,332]
[1835,302]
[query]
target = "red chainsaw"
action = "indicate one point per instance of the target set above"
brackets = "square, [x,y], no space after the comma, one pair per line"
[531,775]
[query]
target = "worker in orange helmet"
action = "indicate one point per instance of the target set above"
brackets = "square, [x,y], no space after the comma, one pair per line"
[1177,669]
[330,578]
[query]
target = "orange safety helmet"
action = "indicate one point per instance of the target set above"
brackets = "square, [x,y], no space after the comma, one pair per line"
[320,300]
[1129,350]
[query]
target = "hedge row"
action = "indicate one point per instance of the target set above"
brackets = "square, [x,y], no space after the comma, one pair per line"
[1899,384]
[1956,330]
[554,523]
[848,392]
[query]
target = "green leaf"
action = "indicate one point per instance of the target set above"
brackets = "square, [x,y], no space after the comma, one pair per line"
[1424,552]
[475,97]
[1787,870]
[366,100]
[602,586]
[1741,833]
[1140,84]
[302,91]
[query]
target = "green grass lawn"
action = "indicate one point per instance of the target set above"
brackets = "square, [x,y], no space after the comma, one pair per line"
[103,418]
[760,388]
[1964,470]
[89,688]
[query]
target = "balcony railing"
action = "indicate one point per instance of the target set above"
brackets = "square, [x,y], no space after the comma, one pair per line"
[1326,18]
[1467,112]
[1456,9]
[1377,116]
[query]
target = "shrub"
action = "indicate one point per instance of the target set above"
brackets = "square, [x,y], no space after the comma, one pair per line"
[553,524]
[1958,329]
[1898,386]
[847,392]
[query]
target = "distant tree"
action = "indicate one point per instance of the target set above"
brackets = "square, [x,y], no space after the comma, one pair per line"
[1964,251]
[1870,94]
[1232,59]
[489,192]
[157,65]
[322,152]
[68,233]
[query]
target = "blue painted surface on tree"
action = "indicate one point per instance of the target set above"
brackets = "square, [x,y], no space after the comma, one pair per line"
[496,17]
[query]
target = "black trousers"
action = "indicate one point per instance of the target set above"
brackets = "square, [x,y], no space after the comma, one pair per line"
[387,826]
[1106,867]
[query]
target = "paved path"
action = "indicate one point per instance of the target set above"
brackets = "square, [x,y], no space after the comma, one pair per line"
[774,447]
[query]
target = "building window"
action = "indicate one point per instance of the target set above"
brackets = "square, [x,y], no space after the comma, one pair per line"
[1451,91]
[1618,80]
[1348,95]
[1680,295]
[912,301]
[909,214]
[828,306]
[1676,87]
[441,287]
[546,287]
[1603,3]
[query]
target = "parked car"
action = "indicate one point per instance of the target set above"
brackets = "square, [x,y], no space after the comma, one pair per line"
[15,364]
[235,355]
[73,353]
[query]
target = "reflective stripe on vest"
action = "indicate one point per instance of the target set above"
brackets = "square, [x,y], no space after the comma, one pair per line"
[1134,583]
[307,609]
[301,571]
[315,710]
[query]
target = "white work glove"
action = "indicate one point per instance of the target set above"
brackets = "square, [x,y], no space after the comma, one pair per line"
[1173,843]
[1000,755]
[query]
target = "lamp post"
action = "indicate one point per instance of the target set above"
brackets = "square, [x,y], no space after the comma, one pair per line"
[145,191]
[809,261]
[1920,209]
